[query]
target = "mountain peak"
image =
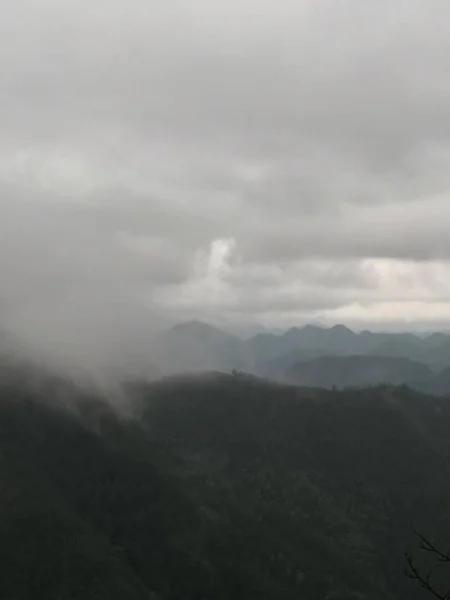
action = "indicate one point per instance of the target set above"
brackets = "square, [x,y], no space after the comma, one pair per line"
[295,331]
[312,327]
[201,332]
[340,327]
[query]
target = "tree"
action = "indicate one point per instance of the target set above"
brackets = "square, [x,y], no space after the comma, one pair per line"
[426,580]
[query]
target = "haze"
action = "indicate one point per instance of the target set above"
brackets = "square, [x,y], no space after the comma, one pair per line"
[251,162]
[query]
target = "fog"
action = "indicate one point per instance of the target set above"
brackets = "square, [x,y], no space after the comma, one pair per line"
[250,164]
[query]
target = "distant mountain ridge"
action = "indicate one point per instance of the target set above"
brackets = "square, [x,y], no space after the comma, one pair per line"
[194,345]
[358,371]
[300,352]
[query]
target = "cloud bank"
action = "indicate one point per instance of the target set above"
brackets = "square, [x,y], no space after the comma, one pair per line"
[273,162]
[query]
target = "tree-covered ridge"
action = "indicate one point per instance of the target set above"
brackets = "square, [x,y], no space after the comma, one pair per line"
[218,487]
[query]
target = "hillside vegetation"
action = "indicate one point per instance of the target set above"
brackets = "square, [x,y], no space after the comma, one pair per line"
[217,487]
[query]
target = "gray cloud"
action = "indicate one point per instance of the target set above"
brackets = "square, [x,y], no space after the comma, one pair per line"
[283,160]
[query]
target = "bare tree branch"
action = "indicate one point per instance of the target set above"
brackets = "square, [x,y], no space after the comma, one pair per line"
[414,573]
[426,545]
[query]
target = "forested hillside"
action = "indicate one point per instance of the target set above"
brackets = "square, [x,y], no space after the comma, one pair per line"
[218,487]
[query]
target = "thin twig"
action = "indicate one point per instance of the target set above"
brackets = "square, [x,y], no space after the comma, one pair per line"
[426,545]
[425,582]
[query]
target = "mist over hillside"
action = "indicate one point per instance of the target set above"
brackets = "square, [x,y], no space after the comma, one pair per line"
[240,487]
[311,355]
[224,300]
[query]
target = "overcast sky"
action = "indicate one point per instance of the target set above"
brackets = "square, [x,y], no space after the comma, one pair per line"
[272,161]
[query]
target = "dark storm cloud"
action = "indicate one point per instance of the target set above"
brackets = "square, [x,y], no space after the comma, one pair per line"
[138,135]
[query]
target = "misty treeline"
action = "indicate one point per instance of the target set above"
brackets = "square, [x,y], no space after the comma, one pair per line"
[219,487]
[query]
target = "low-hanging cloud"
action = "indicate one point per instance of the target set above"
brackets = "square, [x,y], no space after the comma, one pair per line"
[140,140]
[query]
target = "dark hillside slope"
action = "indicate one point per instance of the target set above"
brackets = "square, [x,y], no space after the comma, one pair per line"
[342,473]
[87,513]
[224,487]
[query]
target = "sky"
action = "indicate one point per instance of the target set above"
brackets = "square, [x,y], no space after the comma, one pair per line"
[267,162]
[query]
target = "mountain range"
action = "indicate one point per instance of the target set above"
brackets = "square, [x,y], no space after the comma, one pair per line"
[312,355]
